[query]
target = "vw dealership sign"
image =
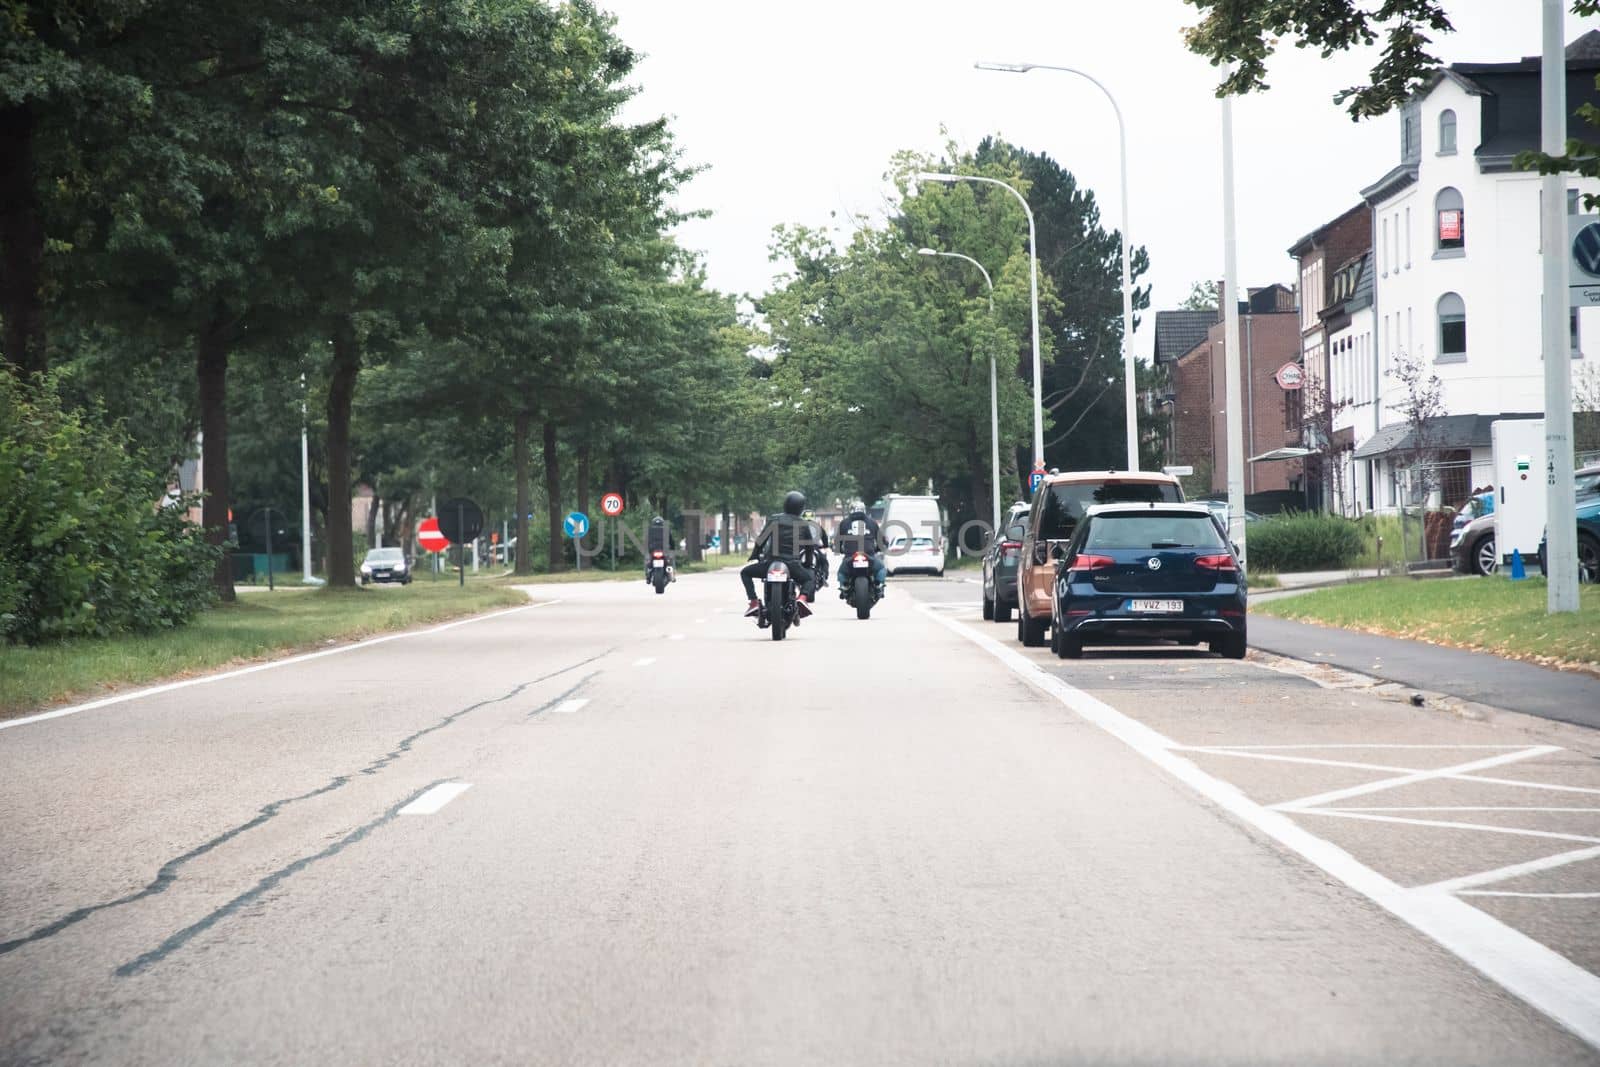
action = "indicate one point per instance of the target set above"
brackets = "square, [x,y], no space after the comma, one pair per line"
[1584,232]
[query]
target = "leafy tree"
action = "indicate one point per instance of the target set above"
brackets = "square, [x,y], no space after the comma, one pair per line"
[1203,296]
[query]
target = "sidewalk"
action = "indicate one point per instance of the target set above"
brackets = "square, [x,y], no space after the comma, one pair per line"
[1566,696]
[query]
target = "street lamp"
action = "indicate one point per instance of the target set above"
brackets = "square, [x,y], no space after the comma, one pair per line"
[1127,282]
[994,396]
[1033,286]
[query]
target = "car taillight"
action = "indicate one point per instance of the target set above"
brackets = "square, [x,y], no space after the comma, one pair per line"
[1084,562]
[658,555]
[1215,563]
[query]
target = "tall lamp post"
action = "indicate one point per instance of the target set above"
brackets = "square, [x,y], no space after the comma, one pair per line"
[1127,273]
[994,396]
[1033,288]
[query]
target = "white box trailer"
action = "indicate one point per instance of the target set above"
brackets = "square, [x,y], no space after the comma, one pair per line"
[1520,504]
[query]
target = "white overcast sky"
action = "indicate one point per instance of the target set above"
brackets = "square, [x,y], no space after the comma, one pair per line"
[795,108]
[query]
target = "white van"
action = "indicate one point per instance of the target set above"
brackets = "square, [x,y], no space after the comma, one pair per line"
[913,533]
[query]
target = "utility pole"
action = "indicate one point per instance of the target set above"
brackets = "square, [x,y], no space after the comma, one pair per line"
[1561,587]
[1230,342]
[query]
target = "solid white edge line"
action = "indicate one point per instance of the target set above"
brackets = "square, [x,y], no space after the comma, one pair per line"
[567,707]
[303,657]
[434,799]
[1526,968]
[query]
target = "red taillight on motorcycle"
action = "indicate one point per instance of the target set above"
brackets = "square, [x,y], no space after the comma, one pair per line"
[860,558]
[658,555]
[1222,562]
[1085,562]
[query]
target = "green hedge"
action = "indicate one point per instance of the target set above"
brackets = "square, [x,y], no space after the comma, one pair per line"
[88,545]
[1303,541]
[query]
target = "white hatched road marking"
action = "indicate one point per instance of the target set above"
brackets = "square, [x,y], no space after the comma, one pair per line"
[567,707]
[1365,817]
[1515,870]
[1455,770]
[1523,966]
[434,799]
[1533,896]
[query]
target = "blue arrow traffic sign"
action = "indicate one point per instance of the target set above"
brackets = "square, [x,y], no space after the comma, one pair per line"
[576,524]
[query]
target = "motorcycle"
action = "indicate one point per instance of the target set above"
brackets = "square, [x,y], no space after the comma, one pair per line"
[781,604]
[857,585]
[660,571]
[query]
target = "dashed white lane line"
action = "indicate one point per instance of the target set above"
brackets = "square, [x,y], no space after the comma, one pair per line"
[270,665]
[435,798]
[645,662]
[567,707]
[1523,966]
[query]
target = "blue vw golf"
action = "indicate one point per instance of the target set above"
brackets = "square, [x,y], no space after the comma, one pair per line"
[1148,571]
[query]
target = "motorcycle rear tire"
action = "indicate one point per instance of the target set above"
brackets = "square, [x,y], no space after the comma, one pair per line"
[862,595]
[659,580]
[776,615]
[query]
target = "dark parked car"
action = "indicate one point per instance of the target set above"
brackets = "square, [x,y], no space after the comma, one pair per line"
[1137,571]
[1588,540]
[1000,565]
[386,565]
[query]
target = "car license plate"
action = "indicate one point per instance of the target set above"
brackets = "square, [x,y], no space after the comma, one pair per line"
[1155,605]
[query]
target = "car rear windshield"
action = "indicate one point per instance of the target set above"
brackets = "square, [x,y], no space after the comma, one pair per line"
[1153,531]
[1065,504]
[384,555]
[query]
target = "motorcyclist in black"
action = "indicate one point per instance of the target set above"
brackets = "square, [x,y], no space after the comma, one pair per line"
[859,533]
[658,538]
[786,536]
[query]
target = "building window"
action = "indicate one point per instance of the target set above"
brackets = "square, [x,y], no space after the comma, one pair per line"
[1452,329]
[1573,207]
[1450,222]
[1408,236]
[1447,132]
[1383,248]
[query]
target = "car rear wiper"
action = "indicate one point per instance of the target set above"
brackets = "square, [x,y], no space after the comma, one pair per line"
[1169,544]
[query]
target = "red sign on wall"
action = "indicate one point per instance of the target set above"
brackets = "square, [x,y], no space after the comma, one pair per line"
[1450,225]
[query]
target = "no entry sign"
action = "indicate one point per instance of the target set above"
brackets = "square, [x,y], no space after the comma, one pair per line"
[429,536]
[611,504]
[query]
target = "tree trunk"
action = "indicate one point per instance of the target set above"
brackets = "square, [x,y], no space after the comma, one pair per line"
[583,478]
[211,374]
[341,393]
[727,529]
[372,520]
[552,489]
[22,248]
[519,527]
[694,535]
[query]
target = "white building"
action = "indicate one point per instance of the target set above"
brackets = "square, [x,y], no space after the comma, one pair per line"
[1455,273]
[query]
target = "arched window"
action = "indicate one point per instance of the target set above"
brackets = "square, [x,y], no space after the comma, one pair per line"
[1447,132]
[1452,328]
[1450,221]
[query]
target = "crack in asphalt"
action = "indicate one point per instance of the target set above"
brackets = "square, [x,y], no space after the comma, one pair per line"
[559,697]
[167,873]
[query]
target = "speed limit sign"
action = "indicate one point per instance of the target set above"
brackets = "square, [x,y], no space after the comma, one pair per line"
[611,504]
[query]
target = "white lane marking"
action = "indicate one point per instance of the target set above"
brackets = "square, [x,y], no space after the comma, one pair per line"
[1512,807]
[645,662]
[1271,748]
[270,665]
[567,707]
[1535,896]
[1551,983]
[1515,870]
[675,637]
[1456,770]
[1345,813]
[435,798]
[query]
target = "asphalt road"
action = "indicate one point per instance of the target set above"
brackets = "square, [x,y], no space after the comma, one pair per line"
[623,828]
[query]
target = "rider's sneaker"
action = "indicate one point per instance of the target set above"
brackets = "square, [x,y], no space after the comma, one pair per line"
[805,609]
[753,610]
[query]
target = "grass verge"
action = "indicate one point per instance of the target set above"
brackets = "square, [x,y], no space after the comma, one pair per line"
[258,626]
[1492,614]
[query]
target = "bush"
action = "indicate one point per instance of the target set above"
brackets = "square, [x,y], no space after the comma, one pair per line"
[1303,541]
[89,543]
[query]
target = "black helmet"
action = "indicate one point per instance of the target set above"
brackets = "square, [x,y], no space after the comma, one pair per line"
[656,521]
[794,503]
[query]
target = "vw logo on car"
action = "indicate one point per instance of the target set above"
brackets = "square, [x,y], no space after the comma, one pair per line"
[1154,563]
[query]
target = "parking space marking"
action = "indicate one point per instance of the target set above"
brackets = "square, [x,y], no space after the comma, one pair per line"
[1522,965]
[434,799]
[567,707]
[1455,770]
[1515,870]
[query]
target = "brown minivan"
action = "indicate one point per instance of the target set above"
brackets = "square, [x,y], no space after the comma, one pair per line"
[1057,507]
